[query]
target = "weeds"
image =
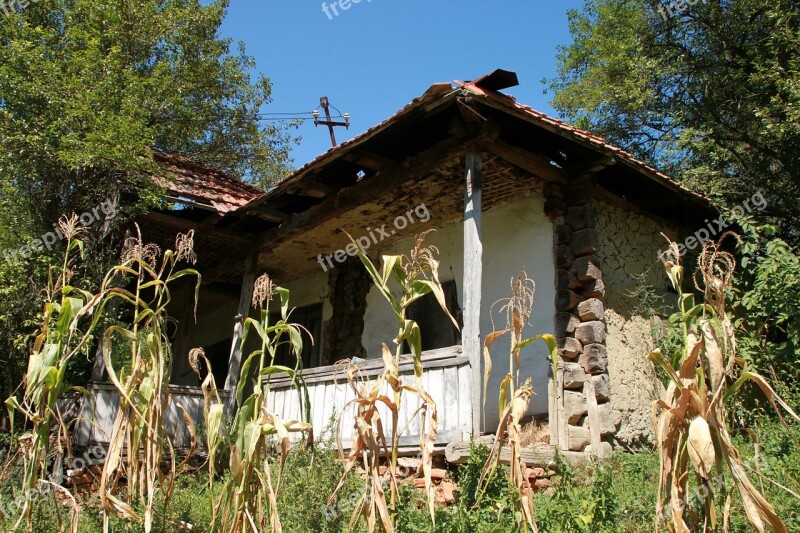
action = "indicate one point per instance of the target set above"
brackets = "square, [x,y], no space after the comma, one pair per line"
[249,500]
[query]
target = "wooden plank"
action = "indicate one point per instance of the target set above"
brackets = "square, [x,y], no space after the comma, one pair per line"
[563,437]
[449,409]
[245,300]
[473,277]
[594,418]
[536,164]
[368,370]
[537,457]
[464,404]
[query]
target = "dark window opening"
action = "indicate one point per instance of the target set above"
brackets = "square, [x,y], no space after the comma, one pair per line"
[218,355]
[309,318]
[437,329]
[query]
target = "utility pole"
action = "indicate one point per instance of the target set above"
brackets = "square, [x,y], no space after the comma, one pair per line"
[325,104]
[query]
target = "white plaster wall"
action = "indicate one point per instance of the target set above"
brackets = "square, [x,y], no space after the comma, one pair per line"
[515,235]
[309,290]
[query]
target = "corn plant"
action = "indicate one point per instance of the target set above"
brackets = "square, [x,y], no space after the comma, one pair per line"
[66,309]
[137,441]
[703,378]
[513,398]
[415,275]
[249,500]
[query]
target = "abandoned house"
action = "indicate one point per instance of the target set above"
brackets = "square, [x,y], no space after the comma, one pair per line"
[505,187]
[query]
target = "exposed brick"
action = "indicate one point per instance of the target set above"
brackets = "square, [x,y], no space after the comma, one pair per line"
[594,289]
[567,280]
[575,406]
[591,309]
[579,438]
[594,359]
[563,234]
[566,323]
[602,387]
[580,217]
[588,268]
[593,332]
[564,257]
[569,348]
[585,242]
[567,300]
[574,376]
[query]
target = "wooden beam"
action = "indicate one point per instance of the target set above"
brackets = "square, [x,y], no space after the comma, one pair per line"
[369,160]
[245,299]
[271,215]
[199,227]
[473,274]
[536,164]
[312,189]
[356,195]
[587,168]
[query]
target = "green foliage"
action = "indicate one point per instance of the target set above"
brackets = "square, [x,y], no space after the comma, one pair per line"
[87,90]
[709,94]
[311,476]
[767,305]
[575,506]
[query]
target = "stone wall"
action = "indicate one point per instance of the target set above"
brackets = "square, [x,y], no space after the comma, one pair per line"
[628,251]
[580,412]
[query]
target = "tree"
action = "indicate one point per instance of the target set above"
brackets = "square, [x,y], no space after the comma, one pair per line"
[707,90]
[88,90]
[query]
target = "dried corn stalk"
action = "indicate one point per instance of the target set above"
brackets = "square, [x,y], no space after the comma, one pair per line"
[517,310]
[137,441]
[249,500]
[691,422]
[415,275]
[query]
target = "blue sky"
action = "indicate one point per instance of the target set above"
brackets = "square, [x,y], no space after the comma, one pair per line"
[374,58]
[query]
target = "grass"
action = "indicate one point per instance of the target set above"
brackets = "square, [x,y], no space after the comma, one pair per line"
[617,495]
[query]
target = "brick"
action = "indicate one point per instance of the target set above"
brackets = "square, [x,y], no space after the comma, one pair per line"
[594,289]
[574,376]
[563,234]
[594,359]
[593,332]
[578,438]
[554,207]
[606,450]
[567,300]
[564,256]
[602,387]
[567,280]
[606,417]
[569,348]
[580,217]
[575,406]
[588,268]
[591,309]
[585,242]
[566,323]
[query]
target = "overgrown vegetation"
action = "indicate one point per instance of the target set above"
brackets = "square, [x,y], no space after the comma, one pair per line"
[693,428]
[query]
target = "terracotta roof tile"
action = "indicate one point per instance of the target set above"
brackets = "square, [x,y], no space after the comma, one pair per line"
[192,181]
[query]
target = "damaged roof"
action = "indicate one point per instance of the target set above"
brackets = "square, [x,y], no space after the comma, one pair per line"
[484,90]
[201,186]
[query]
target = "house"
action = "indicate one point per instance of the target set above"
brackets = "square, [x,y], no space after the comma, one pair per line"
[505,187]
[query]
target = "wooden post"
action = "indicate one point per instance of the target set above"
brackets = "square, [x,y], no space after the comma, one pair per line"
[245,300]
[473,274]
